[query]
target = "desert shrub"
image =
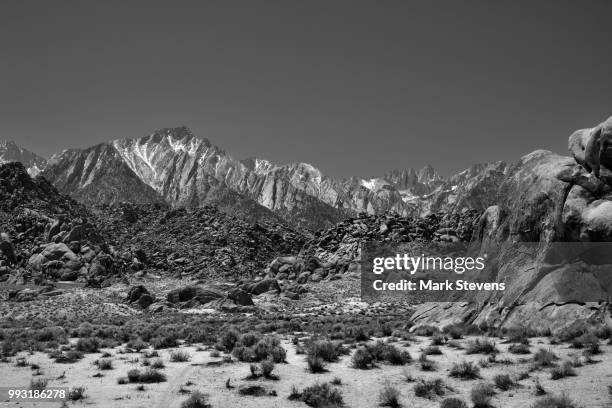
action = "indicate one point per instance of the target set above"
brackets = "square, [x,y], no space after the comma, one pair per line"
[163,342]
[269,346]
[179,356]
[481,346]
[151,375]
[519,349]
[544,358]
[76,393]
[362,359]
[453,403]
[267,366]
[336,381]
[88,345]
[550,401]
[133,375]
[438,340]
[322,395]
[389,397]
[197,399]
[454,331]
[315,364]
[426,331]
[503,381]
[432,351]
[250,339]
[361,334]
[426,364]
[587,340]
[158,363]
[481,395]
[327,350]
[104,364]
[68,357]
[465,370]
[85,329]
[565,370]
[38,383]
[603,332]
[381,351]
[243,353]
[228,339]
[429,388]
[137,344]
[519,335]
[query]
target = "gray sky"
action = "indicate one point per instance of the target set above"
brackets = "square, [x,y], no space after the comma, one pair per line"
[353,87]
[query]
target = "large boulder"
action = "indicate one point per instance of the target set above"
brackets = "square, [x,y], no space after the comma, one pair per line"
[545,200]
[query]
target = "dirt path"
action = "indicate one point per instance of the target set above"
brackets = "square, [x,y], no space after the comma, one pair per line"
[170,397]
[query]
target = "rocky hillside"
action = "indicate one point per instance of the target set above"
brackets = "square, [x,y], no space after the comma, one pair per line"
[47,236]
[203,242]
[10,152]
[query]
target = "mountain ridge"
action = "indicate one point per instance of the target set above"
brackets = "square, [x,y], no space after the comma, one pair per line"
[174,166]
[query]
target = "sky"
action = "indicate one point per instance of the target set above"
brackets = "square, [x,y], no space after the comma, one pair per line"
[355,88]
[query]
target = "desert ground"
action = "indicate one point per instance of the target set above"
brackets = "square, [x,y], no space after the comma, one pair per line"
[359,355]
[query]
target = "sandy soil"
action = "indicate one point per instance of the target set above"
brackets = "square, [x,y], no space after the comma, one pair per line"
[360,388]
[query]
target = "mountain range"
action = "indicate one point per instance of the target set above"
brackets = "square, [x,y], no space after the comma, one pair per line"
[173,166]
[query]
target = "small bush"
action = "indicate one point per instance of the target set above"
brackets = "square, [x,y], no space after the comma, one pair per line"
[519,349]
[164,342]
[544,358]
[228,339]
[38,383]
[432,351]
[453,403]
[550,401]
[327,350]
[565,370]
[104,364]
[438,340]
[197,399]
[267,366]
[151,375]
[426,331]
[315,364]
[429,388]
[137,344]
[158,363]
[88,345]
[503,381]
[179,356]
[481,395]
[426,364]
[465,370]
[322,395]
[389,397]
[362,359]
[481,346]
[133,375]
[76,393]
[269,346]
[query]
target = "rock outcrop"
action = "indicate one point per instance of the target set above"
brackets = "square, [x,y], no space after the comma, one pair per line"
[560,210]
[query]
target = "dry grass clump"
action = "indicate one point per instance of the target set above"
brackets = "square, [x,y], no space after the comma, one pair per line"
[179,356]
[389,397]
[465,370]
[481,395]
[430,388]
[197,399]
[318,395]
[551,401]
[565,370]
[481,346]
